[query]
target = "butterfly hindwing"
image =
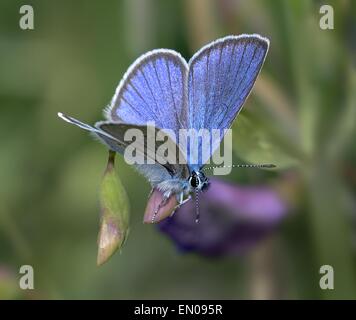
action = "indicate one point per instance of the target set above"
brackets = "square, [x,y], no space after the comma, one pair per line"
[161,166]
[158,153]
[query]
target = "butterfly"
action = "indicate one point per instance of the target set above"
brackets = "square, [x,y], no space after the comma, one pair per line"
[207,92]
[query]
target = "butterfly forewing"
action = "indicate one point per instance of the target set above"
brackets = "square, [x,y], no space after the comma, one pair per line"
[153,89]
[221,76]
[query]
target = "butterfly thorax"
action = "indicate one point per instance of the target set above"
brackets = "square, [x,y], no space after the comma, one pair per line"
[196,181]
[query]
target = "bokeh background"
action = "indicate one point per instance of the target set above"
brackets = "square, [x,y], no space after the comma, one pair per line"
[301,116]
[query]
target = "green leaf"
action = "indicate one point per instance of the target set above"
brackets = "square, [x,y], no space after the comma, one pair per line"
[256,141]
[114,224]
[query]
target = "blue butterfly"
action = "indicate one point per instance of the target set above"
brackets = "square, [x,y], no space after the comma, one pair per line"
[160,86]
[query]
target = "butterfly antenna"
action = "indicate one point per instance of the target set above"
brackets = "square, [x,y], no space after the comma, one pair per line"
[265,165]
[160,206]
[197,212]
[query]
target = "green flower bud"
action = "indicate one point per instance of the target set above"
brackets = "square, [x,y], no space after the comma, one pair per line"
[114,224]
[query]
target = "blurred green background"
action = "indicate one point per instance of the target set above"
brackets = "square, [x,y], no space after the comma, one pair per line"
[301,116]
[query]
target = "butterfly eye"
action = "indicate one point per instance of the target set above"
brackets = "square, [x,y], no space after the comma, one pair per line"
[194,181]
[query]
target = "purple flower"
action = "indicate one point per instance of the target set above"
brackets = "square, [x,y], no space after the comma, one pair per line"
[232,219]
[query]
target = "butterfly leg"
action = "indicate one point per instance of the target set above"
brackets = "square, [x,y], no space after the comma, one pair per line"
[150,194]
[184,201]
[180,202]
